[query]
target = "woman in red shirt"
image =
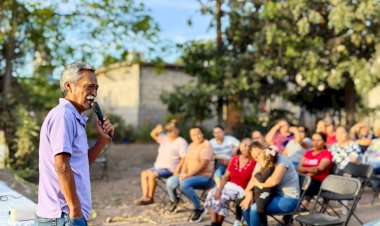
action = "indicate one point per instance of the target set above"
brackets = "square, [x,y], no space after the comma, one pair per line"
[234,181]
[316,163]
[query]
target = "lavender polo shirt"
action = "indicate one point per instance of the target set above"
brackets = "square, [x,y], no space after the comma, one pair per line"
[63,131]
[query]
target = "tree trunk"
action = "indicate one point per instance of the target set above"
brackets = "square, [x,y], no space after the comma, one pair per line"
[218,17]
[349,100]
[9,57]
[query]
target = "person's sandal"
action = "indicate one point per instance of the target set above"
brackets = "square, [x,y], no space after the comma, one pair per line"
[147,201]
[139,201]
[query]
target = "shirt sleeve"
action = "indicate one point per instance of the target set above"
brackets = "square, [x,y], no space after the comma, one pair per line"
[183,148]
[61,132]
[235,142]
[282,160]
[327,155]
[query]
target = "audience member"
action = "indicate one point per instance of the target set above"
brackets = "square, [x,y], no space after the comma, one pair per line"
[344,150]
[196,172]
[225,147]
[361,134]
[232,186]
[267,162]
[170,156]
[372,156]
[295,149]
[285,181]
[317,164]
[257,136]
[279,135]
[330,133]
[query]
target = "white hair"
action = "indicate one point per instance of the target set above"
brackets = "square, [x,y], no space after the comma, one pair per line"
[71,73]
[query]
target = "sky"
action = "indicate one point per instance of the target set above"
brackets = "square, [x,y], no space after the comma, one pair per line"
[172,17]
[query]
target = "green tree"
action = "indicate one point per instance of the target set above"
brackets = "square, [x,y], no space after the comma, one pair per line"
[192,102]
[46,35]
[293,47]
[51,33]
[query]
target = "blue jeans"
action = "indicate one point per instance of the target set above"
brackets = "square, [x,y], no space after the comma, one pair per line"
[188,187]
[279,204]
[219,171]
[64,220]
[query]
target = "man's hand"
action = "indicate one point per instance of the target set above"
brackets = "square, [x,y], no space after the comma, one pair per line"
[182,177]
[105,129]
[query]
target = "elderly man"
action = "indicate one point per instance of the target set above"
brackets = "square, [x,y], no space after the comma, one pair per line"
[64,195]
[170,158]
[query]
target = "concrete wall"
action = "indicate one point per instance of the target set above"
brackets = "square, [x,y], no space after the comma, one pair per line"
[119,91]
[152,110]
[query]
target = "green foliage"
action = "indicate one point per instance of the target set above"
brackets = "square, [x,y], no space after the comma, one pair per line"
[42,93]
[24,156]
[143,133]
[193,102]
[57,32]
[122,132]
[306,51]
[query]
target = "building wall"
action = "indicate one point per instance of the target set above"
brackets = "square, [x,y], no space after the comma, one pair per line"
[119,91]
[152,110]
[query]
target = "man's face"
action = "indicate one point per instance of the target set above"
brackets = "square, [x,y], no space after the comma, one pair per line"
[196,135]
[218,133]
[83,92]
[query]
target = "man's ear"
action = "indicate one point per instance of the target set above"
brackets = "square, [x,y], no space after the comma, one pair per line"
[68,87]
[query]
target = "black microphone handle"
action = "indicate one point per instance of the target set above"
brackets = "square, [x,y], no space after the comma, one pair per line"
[98,112]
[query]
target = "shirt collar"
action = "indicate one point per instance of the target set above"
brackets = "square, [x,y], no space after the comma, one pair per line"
[81,117]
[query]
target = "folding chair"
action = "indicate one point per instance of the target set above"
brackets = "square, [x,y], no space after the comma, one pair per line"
[362,172]
[340,185]
[304,181]
[161,184]
[375,190]
[102,160]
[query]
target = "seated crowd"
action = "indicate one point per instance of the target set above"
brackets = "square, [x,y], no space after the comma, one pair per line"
[259,174]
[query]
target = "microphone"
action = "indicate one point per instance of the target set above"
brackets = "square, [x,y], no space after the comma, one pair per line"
[98,112]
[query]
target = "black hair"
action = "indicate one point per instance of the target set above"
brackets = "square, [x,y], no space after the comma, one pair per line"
[219,126]
[198,127]
[323,135]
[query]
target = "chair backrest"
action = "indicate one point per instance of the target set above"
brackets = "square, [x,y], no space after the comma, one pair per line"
[341,185]
[345,186]
[305,181]
[361,171]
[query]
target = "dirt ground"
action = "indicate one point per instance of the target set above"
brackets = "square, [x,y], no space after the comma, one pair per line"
[113,195]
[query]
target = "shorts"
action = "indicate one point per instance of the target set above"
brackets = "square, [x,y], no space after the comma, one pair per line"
[165,173]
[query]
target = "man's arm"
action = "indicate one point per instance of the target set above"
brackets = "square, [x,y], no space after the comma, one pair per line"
[103,139]
[67,183]
[179,167]
[155,133]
